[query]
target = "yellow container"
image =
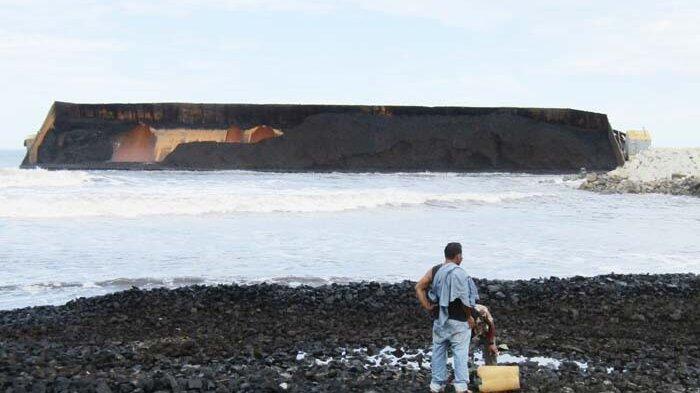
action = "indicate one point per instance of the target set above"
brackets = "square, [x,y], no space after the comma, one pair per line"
[499,378]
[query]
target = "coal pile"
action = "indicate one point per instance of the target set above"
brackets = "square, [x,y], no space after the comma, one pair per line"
[633,333]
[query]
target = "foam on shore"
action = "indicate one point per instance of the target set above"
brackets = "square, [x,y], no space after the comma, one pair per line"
[142,201]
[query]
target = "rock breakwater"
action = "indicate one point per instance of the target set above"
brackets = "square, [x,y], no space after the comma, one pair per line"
[611,184]
[663,171]
[633,333]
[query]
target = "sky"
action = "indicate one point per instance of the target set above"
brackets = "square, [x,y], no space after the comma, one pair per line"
[636,61]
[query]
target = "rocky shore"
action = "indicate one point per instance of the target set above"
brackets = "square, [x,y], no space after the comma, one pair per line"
[613,333]
[612,184]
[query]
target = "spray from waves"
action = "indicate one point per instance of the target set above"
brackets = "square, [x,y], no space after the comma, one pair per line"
[131,204]
[122,283]
[115,283]
[33,178]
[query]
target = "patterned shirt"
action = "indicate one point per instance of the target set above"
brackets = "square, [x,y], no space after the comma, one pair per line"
[485,327]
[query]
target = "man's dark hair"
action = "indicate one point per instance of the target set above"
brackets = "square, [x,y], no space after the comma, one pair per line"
[452,250]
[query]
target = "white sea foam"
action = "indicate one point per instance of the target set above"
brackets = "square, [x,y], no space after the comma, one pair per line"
[409,359]
[144,202]
[115,283]
[30,178]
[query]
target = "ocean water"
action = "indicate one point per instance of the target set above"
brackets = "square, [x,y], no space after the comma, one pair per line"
[65,234]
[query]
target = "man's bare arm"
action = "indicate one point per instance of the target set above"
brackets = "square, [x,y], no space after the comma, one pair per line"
[422,290]
[491,337]
[470,318]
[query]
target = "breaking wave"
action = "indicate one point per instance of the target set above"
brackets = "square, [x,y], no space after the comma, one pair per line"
[31,178]
[57,292]
[116,283]
[138,203]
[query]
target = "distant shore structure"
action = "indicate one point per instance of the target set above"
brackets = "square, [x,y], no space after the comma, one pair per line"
[637,141]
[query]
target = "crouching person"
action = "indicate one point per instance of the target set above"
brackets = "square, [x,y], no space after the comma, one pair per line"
[484,334]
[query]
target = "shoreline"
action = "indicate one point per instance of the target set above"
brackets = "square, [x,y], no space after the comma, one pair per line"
[157,167]
[632,332]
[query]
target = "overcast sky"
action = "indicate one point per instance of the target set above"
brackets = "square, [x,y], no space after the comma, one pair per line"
[636,61]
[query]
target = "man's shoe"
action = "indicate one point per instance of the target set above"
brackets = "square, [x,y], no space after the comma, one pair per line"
[466,390]
[434,388]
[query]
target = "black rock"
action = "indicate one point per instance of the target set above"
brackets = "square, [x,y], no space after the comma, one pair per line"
[151,341]
[194,383]
[102,387]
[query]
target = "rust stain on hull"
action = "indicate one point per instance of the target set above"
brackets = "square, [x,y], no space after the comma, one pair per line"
[137,145]
[147,145]
[234,135]
[259,134]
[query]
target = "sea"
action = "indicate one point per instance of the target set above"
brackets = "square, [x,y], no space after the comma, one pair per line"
[70,234]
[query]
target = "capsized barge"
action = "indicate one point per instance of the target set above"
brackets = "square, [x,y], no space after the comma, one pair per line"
[322,138]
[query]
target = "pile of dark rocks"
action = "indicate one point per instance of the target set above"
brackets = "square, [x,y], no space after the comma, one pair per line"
[635,333]
[610,184]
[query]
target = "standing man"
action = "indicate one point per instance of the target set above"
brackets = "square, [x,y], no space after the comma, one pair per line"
[451,296]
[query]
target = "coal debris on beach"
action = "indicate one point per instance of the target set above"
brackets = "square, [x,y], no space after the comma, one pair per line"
[612,333]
